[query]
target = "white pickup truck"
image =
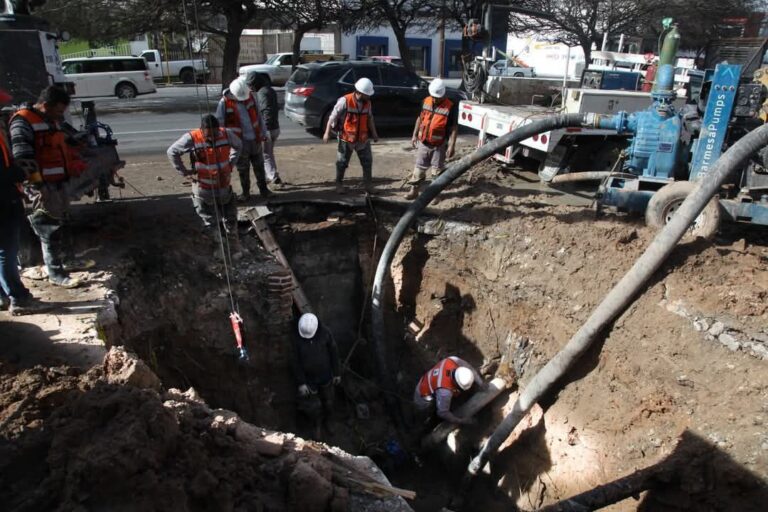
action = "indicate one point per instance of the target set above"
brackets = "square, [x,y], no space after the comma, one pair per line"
[188,71]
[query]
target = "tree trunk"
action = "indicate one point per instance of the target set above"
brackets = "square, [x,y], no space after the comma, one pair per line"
[298,35]
[402,45]
[587,47]
[231,53]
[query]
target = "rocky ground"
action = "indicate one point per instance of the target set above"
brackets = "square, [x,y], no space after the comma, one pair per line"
[682,371]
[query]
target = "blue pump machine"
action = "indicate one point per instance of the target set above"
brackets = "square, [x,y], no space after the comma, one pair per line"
[659,154]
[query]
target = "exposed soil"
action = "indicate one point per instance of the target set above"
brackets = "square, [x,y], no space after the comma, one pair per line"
[504,281]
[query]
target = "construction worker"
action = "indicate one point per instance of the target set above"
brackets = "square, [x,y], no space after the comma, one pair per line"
[266,98]
[438,118]
[353,120]
[214,150]
[42,149]
[448,378]
[14,296]
[316,366]
[237,111]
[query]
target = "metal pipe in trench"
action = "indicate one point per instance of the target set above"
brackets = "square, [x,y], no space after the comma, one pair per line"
[420,203]
[623,294]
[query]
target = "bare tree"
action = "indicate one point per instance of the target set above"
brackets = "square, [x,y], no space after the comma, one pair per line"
[401,15]
[583,22]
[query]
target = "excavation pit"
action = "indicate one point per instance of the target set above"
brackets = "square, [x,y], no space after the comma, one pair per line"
[506,296]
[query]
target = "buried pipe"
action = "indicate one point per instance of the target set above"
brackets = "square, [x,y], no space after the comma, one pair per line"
[623,294]
[420,203]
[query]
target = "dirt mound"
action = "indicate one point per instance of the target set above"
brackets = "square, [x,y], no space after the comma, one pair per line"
[77,442]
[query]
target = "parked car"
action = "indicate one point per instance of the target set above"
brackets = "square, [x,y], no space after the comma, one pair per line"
[278,67]
[313,89]
[124,77]
[504,68]
[188,71]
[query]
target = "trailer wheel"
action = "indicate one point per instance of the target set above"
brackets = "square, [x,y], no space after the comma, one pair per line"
[667,201]
[187,76]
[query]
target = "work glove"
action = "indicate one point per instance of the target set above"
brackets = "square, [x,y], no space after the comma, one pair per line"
[336,380]
[303,390]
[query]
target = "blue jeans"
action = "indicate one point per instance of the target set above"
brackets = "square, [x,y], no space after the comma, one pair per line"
[11,220]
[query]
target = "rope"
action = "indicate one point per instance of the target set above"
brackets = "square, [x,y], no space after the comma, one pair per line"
[226,254]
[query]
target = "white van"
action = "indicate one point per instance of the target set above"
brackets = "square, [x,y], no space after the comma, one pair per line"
[124,77]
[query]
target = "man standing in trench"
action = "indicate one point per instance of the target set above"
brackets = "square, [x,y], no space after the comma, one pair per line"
[353,119]
[437,388]
[438,118]
[317,370]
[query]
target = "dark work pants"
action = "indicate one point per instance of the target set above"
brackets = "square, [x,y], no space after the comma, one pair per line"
[11,221]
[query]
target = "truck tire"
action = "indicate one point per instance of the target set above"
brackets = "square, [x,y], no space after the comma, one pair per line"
[668,199]
[187,75]
[125,91]
[518,75]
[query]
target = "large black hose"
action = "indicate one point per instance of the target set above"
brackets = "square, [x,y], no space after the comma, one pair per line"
[625,291]
[446,178]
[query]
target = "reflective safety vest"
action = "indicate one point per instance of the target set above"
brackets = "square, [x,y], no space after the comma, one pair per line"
[355,128]
[212,160]
[51,150]
[440,376]
[433,121]
[232,116]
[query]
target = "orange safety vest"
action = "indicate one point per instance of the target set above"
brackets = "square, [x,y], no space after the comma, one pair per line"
[433,124]
[6,154]
[212,160]
[355,128]
[440,376]
[51,150]
[232,116]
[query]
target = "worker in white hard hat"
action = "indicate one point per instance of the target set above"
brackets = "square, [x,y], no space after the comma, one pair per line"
[238,112]
[353,120]
[434,136]
[448,378]
[316,366]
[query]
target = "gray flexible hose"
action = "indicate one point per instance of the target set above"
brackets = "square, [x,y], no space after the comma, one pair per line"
[623,294]
[420,203]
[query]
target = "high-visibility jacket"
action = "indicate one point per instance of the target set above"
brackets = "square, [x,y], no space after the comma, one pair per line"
[232,116]
[440,376]
[212,160]
[433,120]
[51,150]
[5,167]
[355,127]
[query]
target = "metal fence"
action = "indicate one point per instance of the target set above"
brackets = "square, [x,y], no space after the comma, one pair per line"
[106,51]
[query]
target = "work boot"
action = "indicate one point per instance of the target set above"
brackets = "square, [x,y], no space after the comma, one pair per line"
[5,302]
[340,189]
[244,197]
[35,273]
[64,281]
[413,193]
[277,183]
[78,265]
[369,188]
[265,192]
[26,306]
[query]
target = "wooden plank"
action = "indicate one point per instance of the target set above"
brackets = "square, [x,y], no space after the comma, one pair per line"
[270,244]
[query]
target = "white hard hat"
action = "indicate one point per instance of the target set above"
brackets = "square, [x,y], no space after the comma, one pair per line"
[307,325]
[437,88]
[364,86]
[239,89]
[464,377]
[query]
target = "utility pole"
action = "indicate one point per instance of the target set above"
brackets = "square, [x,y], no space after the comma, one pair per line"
[441,43]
